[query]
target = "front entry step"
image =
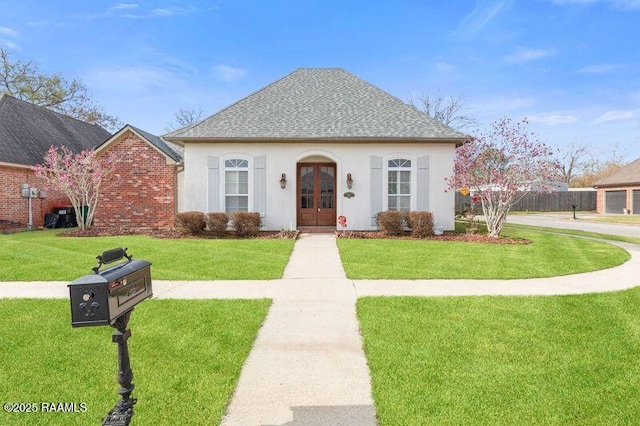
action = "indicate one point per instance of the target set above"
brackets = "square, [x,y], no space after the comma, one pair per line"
[317,229]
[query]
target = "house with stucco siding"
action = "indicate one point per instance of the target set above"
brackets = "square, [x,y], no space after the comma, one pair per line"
[314,145]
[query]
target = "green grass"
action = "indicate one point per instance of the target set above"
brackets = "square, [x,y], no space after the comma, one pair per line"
[548,255]
[510,227]
[186,358]
[504,360]
[44,256]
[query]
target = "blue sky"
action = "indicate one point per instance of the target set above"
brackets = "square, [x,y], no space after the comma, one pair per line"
[570,66]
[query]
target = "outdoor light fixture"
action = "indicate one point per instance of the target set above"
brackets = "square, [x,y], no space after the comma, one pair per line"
[283,181]
[349,181]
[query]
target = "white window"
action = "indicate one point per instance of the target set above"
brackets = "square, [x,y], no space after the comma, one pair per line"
[236,185]
[399,184]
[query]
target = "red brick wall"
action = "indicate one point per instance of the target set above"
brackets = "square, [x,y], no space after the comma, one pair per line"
[601,198]
[143,193]
[15,208]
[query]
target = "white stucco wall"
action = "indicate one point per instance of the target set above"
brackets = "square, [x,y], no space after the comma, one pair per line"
[351,158]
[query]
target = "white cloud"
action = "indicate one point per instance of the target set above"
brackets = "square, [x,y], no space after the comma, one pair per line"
[228,73]
[444,67]
[9,44]
[480,16]
[47,23]
[124,6]
[626,4]
[527,55]
[599,69]
[563,2]
[6,34]
[616,4]
[613,115]
[553,119]
[161,12]
[137,79]
[9,32]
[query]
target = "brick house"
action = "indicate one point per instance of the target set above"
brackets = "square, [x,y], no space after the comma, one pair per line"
[26,133]
[619,193]
[143,191]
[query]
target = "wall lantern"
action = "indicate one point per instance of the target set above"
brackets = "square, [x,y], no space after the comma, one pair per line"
[283,181]
[349,181]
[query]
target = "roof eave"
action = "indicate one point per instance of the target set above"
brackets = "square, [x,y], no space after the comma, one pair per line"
[615,185]
[182,140]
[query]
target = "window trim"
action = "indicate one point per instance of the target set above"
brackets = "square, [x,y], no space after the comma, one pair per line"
[412,169]
[223,179]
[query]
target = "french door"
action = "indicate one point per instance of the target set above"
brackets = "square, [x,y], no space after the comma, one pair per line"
[316,194]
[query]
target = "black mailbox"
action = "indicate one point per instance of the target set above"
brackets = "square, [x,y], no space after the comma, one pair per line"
[102,297]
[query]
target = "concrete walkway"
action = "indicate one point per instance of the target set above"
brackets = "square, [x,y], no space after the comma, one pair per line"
[307,366]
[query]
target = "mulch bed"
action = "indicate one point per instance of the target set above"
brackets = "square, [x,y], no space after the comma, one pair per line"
[164,233]
[447,236]
[169,233]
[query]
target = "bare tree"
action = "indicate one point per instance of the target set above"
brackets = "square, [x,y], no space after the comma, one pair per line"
[450,111]
[23,80]
[575,160]
[185,117]
[599,166]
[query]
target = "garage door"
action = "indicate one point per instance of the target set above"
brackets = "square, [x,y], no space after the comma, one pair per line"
[636,201]
[615,201]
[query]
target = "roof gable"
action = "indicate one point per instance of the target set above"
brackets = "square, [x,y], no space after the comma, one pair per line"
[626,175]
[27,131]
[319,103]
[168,149]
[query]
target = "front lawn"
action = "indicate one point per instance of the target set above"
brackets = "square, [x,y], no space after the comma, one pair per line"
[504,360]
[186,357]
[44,256]
[548,255]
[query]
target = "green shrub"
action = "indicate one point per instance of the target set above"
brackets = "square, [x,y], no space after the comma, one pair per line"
[217,223]
[390,222]
[420,223]
[192,223]
[246,224]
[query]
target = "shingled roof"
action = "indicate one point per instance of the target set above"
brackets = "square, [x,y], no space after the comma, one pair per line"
[625,176]
[27,131]
[319,103]
[175,152]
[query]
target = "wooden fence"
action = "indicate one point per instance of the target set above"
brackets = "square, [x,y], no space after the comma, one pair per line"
[560,201]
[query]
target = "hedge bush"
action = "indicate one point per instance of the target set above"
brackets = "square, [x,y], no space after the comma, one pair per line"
[246,224]
[192,223]
[420,223]
[390,222]
[217,223]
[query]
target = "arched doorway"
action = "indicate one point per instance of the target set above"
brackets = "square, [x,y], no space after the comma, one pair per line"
[316,195]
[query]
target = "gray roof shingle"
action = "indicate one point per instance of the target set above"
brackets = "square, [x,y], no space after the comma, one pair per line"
[175,152]
[319,103]
[627,175]
[27,131]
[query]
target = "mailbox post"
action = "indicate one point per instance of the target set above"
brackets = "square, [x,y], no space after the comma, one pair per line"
[108,297]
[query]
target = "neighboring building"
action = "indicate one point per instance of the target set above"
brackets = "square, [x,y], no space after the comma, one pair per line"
[619,193]
[142,192]
[314,145]
[26,133]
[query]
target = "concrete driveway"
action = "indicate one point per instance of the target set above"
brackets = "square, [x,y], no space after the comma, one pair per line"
[582,222]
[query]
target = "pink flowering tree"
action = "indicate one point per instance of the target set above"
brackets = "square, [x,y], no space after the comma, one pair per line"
[502,165]
[79,176]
